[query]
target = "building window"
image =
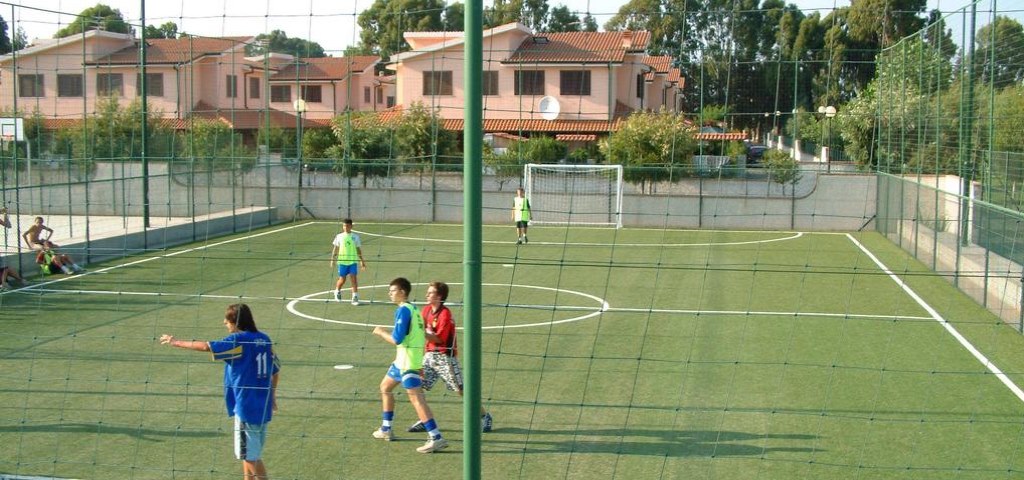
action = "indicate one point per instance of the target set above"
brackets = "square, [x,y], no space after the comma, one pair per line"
[280,93]
[366,94]
[154,84]
[69,85]
[390,102]
[574,82]
[490,81]
[30,85]
[232,85]
[109,84]
[312,93]
[640,86]
[254,87]
[437,83]
[380,95]
[529,82]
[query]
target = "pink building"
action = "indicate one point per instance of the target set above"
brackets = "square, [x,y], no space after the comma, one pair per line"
[63,79]
[595,77]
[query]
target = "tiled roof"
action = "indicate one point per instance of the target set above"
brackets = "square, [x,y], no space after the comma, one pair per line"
[660,64]
[721,136]
[549,126]
[508,136]
[172,50]
[674,75]
[579,47]
[575,137]
[66,123]
[253,119]
[326,68]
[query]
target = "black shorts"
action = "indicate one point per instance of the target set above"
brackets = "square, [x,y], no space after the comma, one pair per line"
[522,224]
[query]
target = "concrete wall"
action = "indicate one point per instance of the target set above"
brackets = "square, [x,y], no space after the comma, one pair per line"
[819,202]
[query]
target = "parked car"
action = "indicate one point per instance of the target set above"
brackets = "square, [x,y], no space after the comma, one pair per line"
[755,153]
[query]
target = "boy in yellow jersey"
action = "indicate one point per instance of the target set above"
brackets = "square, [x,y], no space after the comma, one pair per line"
[348,253]
[409,338]
[521,215]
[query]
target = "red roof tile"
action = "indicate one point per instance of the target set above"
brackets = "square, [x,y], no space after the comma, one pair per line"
[65,123]
[721,136]
[579,47]
[575,137]
[660,64]
[325,68]
[172,50]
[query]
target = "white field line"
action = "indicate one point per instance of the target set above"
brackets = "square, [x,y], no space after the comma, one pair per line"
[945,324]
[791,236]
[552,308]
[37,286]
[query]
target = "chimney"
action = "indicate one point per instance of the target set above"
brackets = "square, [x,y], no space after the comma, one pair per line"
[627,40]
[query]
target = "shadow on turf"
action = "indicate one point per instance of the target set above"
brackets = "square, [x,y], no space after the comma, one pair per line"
[681,443]
[140,433]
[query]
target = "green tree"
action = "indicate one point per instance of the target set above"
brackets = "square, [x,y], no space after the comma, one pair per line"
[278,41]
[539,149]
[999,55]
[782,169]
[5,41]
[365,146]
[561,19]
[882,23]
[454,17]
[383,25]
[20,40]
[532,13]
[167,30]
[420,140]
[316,142]
[653,147]
[99,17]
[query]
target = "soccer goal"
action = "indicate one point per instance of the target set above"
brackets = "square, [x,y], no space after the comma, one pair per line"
[574,194]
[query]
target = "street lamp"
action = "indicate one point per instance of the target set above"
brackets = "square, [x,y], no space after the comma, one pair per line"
[300,108]
[829,112]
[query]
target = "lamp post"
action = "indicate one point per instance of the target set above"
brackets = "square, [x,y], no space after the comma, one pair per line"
[300,108]
[829,112]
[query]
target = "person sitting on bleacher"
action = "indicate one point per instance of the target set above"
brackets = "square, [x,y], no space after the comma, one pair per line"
[53,262]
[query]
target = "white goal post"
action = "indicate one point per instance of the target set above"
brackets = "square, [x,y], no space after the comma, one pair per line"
[574,194]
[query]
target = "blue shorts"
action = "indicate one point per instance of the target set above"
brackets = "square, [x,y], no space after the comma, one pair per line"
[350,269]
[249,440]
[409,379]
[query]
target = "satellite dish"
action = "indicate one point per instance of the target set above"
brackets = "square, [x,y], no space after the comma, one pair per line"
[549,108]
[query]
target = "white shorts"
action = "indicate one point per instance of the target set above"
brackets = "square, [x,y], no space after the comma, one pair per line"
[249,440]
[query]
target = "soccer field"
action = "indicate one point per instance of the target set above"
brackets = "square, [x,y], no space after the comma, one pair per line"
[630,353]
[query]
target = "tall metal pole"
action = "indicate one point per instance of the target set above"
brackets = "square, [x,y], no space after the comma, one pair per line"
[145,118]
[472,234]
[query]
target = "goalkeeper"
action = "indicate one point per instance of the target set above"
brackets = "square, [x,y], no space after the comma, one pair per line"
[521,215]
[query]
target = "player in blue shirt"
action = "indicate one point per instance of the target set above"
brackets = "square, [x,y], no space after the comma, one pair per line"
[408,336]
[250,379]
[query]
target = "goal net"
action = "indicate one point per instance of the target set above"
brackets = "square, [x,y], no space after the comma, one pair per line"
[574,194]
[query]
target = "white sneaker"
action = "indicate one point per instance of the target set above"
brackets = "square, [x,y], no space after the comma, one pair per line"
[433,445]
[337,296]
[355,300]
[382,435]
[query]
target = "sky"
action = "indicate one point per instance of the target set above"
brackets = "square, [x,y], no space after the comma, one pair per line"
[331,23]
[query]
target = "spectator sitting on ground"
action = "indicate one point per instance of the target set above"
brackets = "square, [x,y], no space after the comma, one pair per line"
[54,262]
[7,273]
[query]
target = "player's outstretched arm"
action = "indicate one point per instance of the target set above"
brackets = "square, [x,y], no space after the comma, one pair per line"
[190,345]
